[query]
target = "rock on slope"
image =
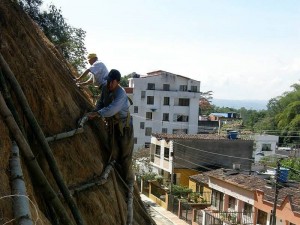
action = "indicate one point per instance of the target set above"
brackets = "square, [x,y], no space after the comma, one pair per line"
[46,80]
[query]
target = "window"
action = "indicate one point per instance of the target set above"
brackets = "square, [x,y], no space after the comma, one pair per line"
[182,87]
[217,200]
[166,87]
[135,140]
[151,86]
[150,100]
[164,130]
[179,131]
[147,144]
[166,100]
[157,150]
[247,210]
[148,115]
[148,131]
[184,102]
[166,153]
[194,89]
[143,94]
[165,116]
[266,147]
[231,202]
[136,109]
[142,125]
[199,189]
[180,118]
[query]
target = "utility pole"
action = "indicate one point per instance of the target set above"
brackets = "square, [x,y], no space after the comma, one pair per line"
[273,218]
[172,171]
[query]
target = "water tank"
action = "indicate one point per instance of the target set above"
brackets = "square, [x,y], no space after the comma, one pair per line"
[232,134]
[283,176]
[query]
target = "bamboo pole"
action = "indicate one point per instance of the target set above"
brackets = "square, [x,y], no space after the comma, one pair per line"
[33,165]
[118,198]
[102,180]
[41,138]
[65,134]
[130,205]
[21,206]
[144,211]
[9,101]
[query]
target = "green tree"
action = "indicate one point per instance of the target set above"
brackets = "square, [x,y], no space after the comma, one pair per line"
[205,106]
[67,39]
[285,111]
[31,7]
[293,164]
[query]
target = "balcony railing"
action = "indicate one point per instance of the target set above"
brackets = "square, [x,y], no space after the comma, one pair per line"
[234,218]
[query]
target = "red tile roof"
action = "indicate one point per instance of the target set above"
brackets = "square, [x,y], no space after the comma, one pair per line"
[253,183]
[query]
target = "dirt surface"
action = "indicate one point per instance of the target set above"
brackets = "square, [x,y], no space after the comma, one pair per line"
[47,82]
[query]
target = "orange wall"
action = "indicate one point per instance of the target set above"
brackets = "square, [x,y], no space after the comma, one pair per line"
[283,212]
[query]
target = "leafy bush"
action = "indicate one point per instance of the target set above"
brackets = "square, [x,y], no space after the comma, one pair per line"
[149,176]
[180,191]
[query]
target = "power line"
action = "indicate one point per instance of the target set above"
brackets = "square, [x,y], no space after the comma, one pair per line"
[213,153]
[176,124]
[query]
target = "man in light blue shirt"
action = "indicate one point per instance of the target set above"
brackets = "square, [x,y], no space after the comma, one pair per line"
[113,106]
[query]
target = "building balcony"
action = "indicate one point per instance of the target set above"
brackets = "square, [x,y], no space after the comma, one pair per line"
[230,218]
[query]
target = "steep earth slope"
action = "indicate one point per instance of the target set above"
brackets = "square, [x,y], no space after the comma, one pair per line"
[47,82]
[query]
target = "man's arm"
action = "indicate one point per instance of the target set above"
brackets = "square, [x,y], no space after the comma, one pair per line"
[83,75]
[90,80]
[114,107]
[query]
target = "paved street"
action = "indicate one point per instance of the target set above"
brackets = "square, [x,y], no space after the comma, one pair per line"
[160,215]
[156,216]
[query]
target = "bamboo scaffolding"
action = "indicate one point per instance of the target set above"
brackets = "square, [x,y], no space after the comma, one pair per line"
[123,222]
[32,163]
[41,138]
[130,205]
[9,101]
[21,206]
[100,181]
[65,134]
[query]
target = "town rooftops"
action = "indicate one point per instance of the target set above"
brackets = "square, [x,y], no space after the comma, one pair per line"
[254,183]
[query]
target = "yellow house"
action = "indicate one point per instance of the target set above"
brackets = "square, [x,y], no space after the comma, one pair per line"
[199,184]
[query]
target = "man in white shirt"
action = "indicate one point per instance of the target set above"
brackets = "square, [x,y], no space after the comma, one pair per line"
[98,70]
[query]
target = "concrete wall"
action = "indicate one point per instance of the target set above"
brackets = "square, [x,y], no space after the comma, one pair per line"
[284,212]
[184,175]
[201,153]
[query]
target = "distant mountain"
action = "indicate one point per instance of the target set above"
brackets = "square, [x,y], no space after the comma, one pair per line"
[237,104]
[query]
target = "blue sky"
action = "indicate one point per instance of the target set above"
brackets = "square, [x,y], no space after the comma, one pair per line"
[239,49]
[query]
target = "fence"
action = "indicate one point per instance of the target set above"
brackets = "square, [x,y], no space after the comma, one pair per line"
[211,220]
[186,212]
[173,204]
[231,218]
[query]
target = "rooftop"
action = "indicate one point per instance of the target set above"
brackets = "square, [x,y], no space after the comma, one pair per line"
[189,136]
[253,182]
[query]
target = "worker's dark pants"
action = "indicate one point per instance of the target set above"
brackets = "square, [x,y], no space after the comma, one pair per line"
[124,144]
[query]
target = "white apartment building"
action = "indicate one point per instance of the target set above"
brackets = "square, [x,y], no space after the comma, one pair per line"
[265,145]
[163,102]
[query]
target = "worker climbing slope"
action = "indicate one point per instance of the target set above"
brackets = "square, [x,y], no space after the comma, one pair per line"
[98,70]
[94,78]
[113,106]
